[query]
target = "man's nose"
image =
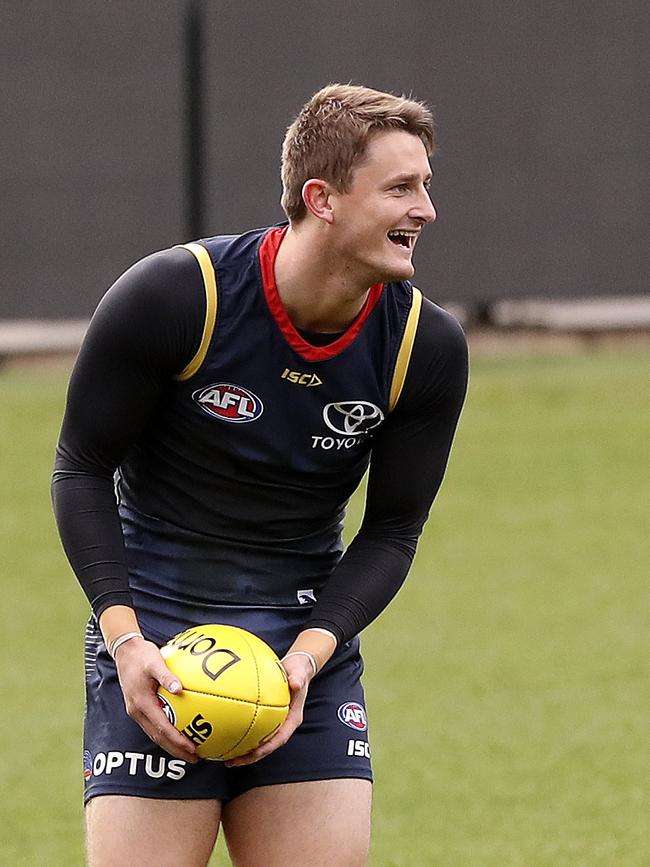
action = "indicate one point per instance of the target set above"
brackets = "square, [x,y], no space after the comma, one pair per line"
[430,208]
[425,209]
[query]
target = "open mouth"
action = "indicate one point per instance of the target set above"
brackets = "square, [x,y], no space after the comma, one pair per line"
[403,237]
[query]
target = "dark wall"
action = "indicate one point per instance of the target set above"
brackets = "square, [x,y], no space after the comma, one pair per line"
[541,177]
[91,148]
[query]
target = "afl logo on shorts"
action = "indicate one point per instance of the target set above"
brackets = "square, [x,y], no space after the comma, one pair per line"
[352,417]
[353,715]
[229,402]
[88,765]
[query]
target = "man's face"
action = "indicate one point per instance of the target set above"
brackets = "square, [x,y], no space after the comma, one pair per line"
[377,223]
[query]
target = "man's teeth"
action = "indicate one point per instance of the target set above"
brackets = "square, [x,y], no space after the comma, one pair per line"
[403,236]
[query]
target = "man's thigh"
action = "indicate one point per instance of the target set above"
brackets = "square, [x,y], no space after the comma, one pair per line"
[324,823]
[138,832]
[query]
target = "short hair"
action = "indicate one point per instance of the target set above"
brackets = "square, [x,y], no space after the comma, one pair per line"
[330,137]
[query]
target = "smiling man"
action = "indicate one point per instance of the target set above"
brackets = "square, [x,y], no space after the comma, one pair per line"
[227,401]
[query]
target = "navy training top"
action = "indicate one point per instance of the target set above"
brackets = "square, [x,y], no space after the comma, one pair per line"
[237,441]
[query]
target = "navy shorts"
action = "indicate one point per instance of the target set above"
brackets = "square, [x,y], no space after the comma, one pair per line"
[331,743]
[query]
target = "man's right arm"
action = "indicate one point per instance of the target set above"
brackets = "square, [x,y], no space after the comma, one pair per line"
[146,329]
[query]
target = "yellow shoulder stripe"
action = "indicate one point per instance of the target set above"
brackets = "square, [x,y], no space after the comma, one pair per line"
[404,354]
[210,284]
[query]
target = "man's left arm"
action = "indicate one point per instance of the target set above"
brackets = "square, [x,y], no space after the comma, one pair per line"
[408,463]
[409,458]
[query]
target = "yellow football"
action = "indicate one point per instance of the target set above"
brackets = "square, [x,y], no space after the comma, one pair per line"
[235,691]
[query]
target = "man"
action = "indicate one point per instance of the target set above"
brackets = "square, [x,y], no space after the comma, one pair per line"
[237,389]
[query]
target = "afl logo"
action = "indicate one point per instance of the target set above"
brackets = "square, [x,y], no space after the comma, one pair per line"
[229,402]
[88,765]
[167,709]
[353,715]
[352,417]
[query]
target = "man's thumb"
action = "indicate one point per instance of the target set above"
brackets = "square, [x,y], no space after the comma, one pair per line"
[169,680]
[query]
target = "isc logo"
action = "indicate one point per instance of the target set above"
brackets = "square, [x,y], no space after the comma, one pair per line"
[353,715]
[308,379]
[229,402]
[359,748]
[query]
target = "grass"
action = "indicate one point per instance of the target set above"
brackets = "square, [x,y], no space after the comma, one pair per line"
[508,682]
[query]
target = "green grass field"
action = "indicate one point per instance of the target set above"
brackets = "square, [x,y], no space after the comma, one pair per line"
[508,684]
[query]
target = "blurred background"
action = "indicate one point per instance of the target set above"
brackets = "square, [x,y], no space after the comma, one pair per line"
[129,127]
[519,736]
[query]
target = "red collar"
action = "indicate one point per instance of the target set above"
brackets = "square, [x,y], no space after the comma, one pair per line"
[268,251]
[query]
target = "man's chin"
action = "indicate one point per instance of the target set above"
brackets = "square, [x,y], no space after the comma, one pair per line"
[399,271]
[391,270]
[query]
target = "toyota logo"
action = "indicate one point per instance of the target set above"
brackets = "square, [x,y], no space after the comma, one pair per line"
[352,417]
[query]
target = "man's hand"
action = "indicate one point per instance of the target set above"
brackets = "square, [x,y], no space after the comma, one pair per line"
[141,671]
[299,673]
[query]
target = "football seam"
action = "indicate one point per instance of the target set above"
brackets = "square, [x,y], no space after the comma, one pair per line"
[257,703]
[229,698]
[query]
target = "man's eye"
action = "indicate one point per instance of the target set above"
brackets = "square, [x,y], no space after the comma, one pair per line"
[401,188]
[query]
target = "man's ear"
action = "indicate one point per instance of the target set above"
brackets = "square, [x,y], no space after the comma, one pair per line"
[316,196]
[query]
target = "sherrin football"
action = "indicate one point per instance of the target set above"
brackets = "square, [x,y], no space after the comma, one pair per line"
[235,691]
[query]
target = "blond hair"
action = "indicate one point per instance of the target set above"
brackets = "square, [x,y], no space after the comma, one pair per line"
[331,134]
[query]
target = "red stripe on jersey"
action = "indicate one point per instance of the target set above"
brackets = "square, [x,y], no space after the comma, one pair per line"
[268,251]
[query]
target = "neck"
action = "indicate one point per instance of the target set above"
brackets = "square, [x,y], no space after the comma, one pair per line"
[317,292]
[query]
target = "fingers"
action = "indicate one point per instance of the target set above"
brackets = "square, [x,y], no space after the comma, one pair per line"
[277,740]
[166,678]
[146,657]
[299,673]
[147,712]
[298,684]
[141,671]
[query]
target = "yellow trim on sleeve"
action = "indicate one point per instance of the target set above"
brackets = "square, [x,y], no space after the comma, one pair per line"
[404,354]
[210,284]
